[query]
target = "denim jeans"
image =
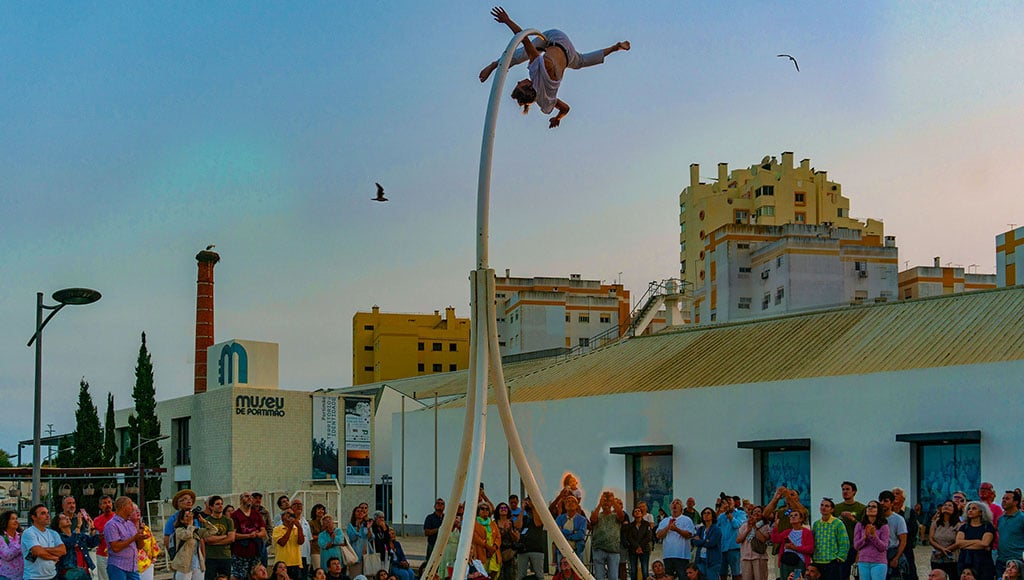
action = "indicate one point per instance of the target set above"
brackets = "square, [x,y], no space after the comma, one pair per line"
[115,573]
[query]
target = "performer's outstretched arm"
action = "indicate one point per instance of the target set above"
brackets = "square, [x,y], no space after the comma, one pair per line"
[531,50]
[563,110]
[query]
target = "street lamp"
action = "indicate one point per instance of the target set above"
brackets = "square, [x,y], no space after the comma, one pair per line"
[73,296]
[138,448]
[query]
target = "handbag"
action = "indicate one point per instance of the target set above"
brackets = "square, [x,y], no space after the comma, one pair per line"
[792,559]
[758,545]
[349,555]
[371,562]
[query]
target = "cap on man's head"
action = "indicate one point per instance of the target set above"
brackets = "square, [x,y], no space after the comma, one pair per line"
[181,494]
[257,495]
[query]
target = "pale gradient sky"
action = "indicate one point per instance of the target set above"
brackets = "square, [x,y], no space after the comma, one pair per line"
[132,135]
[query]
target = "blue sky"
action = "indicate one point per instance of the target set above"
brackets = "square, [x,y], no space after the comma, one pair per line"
[133,135]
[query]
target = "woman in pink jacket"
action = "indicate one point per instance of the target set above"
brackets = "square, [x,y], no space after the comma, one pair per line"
[795,544]
[870,539]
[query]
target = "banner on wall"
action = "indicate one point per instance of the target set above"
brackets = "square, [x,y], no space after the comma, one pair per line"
[325,437]
[357,440]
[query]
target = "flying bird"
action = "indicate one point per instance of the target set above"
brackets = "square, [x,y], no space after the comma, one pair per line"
[380,193]
[790,58]
[210,247]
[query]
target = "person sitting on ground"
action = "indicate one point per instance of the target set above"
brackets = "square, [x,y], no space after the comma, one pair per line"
[258,572]
[658,571]
[546,69]
[281,571]
[565,571]
[400,566]
[693,572]
[335,571]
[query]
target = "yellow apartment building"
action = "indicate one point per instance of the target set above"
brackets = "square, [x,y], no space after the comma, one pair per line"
[771,193]
[1007,246]
[387,345]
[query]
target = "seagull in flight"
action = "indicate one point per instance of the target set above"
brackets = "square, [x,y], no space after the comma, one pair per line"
[790,57]
[380,193]
[210,247]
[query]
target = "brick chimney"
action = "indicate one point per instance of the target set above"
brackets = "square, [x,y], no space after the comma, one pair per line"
[204,314]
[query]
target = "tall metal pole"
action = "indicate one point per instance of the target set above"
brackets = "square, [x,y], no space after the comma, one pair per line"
[38,405]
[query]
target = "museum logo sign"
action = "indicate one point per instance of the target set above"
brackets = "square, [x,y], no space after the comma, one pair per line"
[259,406]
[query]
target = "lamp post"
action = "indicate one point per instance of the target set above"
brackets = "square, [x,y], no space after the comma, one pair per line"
[138,448]
[73,296]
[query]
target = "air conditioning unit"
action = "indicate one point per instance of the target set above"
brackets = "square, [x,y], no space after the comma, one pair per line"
[764,275]
[862,273]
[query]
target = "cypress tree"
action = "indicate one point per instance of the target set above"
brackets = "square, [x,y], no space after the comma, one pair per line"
[87,440]
[144,423]
[109,435]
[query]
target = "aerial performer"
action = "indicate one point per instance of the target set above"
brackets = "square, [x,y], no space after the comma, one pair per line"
[548,57]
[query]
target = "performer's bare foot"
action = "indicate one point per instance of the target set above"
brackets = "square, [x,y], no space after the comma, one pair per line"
[486,73]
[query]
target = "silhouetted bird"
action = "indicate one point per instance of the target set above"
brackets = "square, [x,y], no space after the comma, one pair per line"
[790,58]
[210,247]
[380,193]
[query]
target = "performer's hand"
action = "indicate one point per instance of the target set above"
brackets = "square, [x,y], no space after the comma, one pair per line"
[500,15]
[553,122]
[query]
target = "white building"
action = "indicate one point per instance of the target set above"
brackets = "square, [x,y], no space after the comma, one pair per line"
[1007,272]
[924,394]
[756,271]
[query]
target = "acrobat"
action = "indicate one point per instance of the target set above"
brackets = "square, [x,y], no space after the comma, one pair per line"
[546,67]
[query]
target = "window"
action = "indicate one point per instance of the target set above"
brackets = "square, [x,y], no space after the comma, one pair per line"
[501,343]
[568,318]
[800,198]
[437,367]
[606,318]
[789,468]
[583,318]
[740,216]
[368,369]
[839,212]
[907,294]
[764,190]
[182,448]
[584,341]
[682,267]
[452,368]
[367,327]
[437,346]
[768,210]
[682,228]
[778,262]
[800,217]
[780,293]
[125,448]
[651,477]
[744,304]
[766,300]
[368,347]
[419,367]
[714,316]
[682,208]
[452,347]
[742,246]
[419,346]
[941,468]
[744,269]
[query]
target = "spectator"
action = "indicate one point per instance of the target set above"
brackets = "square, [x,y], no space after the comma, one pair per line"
[41,547]
[675,533]
[509,538]
[315,527]
[707,542]
[606,536]
[513,506]
[754,562]
[1011,531]
[218,544]
[899,505]
[123,540]
[431,525]
[379,528]
[250,536]
[937,574]
[358,531]
[452,547]
[658,570]
[183,500]
[691,512]
[258,572]
[871,543]
[573,526]
[565,571]
[987,494]
[188,537]
[897,534]
[330,540]
[849,511]
[257,504]
[12,563]
[334,569]
[486,540]
[399,563]
[942,537]
[831,544]
[693,573]
[150,548]
[729,522]
[975,541]
[795,541]
[570,488]
[105,515]
[307,533]
[534,542]
[288,540]
[637,536]
[75,564]
[280,568]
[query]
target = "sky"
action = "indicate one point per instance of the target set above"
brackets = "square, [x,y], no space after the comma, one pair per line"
[132,135]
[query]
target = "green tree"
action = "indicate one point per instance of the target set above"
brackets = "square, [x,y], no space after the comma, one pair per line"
[144,423]
[87,444]
[5,459]
[65,453]
[109,435]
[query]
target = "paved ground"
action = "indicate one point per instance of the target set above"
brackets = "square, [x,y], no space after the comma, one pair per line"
[416,548]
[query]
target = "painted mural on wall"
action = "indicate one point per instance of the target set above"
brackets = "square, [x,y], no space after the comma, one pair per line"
[325,437]
[358,412]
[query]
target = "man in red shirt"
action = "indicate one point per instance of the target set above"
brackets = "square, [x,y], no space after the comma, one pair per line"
[106,513]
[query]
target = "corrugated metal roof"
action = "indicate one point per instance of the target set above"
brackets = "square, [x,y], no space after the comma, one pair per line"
[960,329]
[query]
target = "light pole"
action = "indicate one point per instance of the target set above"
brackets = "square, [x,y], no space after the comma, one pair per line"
[74,296]
[138,448]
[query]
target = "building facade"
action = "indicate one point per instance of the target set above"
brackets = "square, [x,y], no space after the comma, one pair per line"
[755,270]
[545,314]
[767,194]
[922,281]
[873,394]
[388,345]
[1007,245]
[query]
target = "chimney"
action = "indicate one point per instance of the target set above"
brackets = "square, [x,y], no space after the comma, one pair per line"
[938,262]
[204,314]
[449,314]
[694,174]
[787,160]
[805,164]
[723,174]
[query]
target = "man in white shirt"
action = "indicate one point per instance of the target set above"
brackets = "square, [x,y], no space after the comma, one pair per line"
[675,532]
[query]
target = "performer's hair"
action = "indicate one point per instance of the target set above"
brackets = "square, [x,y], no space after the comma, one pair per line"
[525,96]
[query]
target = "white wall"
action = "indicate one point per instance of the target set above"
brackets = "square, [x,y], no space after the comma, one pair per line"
[851,420]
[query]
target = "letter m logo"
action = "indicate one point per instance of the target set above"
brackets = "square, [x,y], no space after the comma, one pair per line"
[226,364]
